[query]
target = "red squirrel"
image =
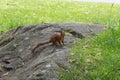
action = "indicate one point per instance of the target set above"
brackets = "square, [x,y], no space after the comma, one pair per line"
[55,38]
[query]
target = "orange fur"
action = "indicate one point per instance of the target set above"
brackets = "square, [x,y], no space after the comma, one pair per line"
[56,38]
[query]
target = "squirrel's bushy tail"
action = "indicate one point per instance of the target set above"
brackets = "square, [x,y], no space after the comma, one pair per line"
[39,44]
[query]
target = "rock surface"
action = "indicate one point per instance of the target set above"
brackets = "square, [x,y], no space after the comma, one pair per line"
[18,63]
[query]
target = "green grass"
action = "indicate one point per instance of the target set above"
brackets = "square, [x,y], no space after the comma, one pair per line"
[25,12]
[97,58]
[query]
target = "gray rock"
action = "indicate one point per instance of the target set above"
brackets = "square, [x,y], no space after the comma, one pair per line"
[45,63]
